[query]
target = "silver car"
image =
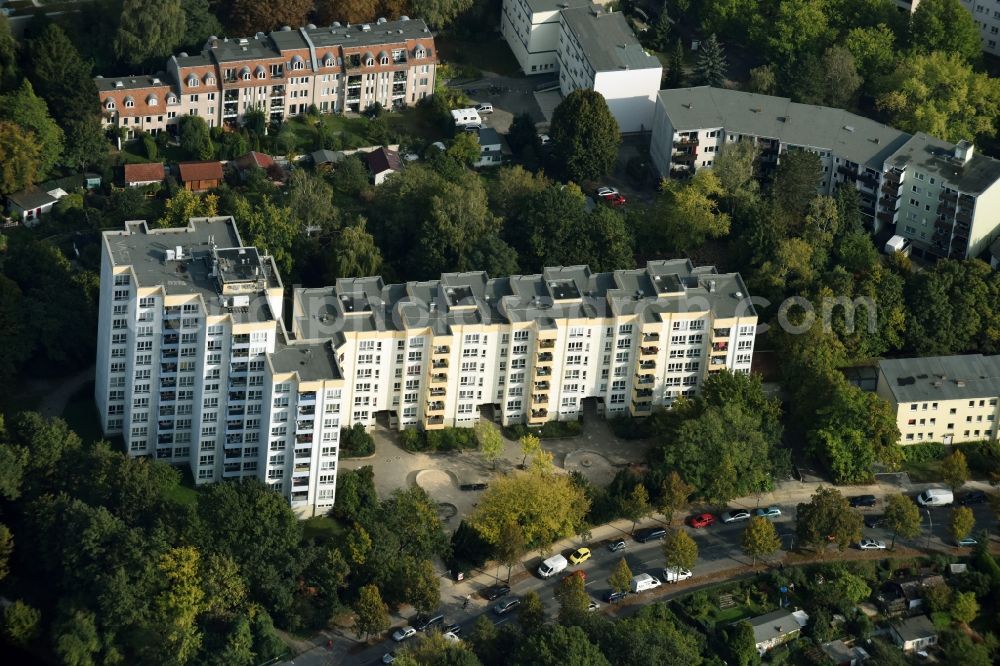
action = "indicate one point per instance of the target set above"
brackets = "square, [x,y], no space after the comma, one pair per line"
[735,515]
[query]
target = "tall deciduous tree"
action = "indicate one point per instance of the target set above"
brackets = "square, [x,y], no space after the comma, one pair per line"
[490,441]
[353,11]
[186,204]
[902,517]
[736,168]
[964,607]
[961,522]
[637,504]
[585,136]
[955,469]
[371,613]
[947,26]
[20,155]
[760,538]
[841,80]
[679,550]
[799,174]
[179,602]
[269,226]
[687,213]
[8,55]
[423,587]
[711,67]
[6,549]
[763,80]
[621,577]
[200,23]
[195,139]
[20,623]
[439,13]
[249,16]
[31,113]
[86,143]
[573,599]
[827,514]
[510,545]
[530,445]
[674,495]
[874,51]
[149,29]
[940,94]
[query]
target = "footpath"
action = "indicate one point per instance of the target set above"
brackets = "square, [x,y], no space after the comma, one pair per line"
[336,646]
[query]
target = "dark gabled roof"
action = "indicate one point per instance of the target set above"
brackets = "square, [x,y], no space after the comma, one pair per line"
[190,171]
[253,159]
[32,197]
[382,160]
[142,173]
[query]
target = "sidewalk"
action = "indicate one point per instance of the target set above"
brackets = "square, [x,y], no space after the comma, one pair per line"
[453,593]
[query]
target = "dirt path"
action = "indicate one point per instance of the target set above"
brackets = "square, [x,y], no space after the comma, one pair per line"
[54,394]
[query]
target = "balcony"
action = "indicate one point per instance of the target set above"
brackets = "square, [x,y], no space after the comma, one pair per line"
[720,347]
[440,378]
[685,141]
[303,439]
[237,396]
[438,392]
[241,353]
[168,396]
[545,357]
[440,365]
[648,351]
[303,427]
[303,453]
[643,394]
[442,350]
[299,498]
[543,371]
[650,337]
[847,172]
[717,363]
[301,467]
[540,398]
[237,382]
[546,344]
[171,312]
[168,382]
[170,339]
[946,210]
[300,482]
[435,406]
[238,410]
[946,196]
[647,365]
[541,386]
[645,380]
[168,354]
[307,398]
[720,333]
[434,421]
[238,368]
[307,410]
[165,425]
[165,439]
[642,407]
[538,414]
[236,438]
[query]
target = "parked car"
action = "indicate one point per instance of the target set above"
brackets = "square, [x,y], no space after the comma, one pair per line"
[644,582]
[613,596]
[973,497]
[552,566]
[874,521]
[967,542]
[473,486]
[616,545]
[544,139]
[650,534]
[593,606]
[450,637]
[485,108]
[871,544]
[701,520]
[494,592]
[506,606]
[676,575]
[862,501]
[403,633]
[769,512]
[425,622]
[735,515]
[610,195]
[935,497]
[388,657]
[605,191]
[579,556]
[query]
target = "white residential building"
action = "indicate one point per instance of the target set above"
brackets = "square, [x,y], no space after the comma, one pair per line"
[943,197]
[531,28]
[598,50]
[194,366]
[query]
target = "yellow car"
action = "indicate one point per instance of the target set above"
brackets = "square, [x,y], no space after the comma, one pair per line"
[579,555]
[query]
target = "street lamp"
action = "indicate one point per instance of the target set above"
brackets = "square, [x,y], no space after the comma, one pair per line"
[930,528]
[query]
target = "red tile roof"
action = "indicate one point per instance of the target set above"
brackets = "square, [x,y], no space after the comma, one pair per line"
[143,173]
[253,159]
[382,160]
[191,171]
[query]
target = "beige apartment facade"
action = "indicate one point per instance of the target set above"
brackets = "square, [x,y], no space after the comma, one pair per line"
[283,73]
[946,399]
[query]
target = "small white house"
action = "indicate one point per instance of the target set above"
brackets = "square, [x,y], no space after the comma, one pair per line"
[28,206]
[773,629]
[490,145]
[914,633]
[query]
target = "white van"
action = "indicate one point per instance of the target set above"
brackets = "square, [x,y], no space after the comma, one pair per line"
[463,117]
[644,582]
[676,575]
[936,497]
[485,108]
[552,566]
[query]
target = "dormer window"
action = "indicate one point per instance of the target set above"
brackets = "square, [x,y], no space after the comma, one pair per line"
[384,60]
[297,62]
[245,74]
[171,99]
[261,74]
[209,80]
[152,100]
[193,82]
[369,61]
[109,105]
[129,102]
[328,62]
[421,53]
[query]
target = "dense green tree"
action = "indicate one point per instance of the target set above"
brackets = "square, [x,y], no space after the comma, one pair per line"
[585,136]
[557,646]
[851,587]
[902,516]
[550,228]
[961,522]
[490,441]
[483,639]
[874,51]
[76,639]
[947,26]
[955,469]
[439,13]
[760,538]
[86,144]
[827,515]
[310,199]
[679,550]
[763,81]
[21,623]
[354,11]
[184,205]
[735,167]
[8,56]
[372,615]
[940,94]
[30,112]
[742,644]
[149,29]
[573,600]
[200,23]
[841,80]
[179,602]
[711,66]
[6,549]
[611,242]
[531,613]
[794,29]
[194,138]
[951,308]
[799,174]
[247,17]
[958,648]
[433,649]
[17,349]
[964,607]
[637,505]
[423,588]
[225,591]
[60,77]
[653,636]
[269,226]
[676,76]
[621,577]
[687,214]
[238,650]
[675,493]
[523,139]
[20,157]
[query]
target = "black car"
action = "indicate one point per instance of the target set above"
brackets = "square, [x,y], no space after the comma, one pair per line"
[650,534]
[613,597]
[863,501]
[495,592]
[973,497]
[472,486]
[874,521]
[616,545]
[424,623]
[507,606]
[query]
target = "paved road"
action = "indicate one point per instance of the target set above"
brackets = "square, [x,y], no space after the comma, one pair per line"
[719,551]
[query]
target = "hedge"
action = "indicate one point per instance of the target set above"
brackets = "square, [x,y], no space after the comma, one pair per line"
[549,430]
[448,439]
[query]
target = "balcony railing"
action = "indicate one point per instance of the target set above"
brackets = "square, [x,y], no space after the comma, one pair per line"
[307,398]
[543,372]
[643,393]
[649,351]
[539,413]
[647,365]
[545,357]
[541,386]
[546,344]
[720,347]
[438,392]
[540,398]
[720,332]
[436,406]
[442,349]
[435,420]
[440,365]
[642,407]
[644,380]
[651,337]
[439,379]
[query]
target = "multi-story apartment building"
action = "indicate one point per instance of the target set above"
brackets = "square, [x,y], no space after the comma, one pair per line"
[597,49]
[336,68]
[529,348]
[590,48]
[948,399]
[986,14]
[941,196]
[194,366]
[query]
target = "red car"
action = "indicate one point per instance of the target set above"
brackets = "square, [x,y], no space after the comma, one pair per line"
[701,520]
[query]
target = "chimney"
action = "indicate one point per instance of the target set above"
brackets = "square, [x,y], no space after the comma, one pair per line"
[963,151]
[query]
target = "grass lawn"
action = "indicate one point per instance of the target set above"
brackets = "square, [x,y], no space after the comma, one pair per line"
[491,55]
[132,153]
[923,472]
[184,493]
[323,529]
[81,414]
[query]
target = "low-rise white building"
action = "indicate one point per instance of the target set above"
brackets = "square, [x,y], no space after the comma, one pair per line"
[598,50]
[490,148]
[531,28]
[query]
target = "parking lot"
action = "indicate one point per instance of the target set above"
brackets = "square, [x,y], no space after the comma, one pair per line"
[510,96]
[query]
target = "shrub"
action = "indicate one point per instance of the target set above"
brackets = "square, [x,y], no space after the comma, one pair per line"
[355,442]
[627,427]
[549,430]
[448,439]
[149,146]
[918,453]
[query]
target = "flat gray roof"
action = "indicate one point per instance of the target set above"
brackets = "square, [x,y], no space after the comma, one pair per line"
[211,255]
[846,134]
[552,5]
[606,39]
[253,48]
[137,82]
[915,628]
[942,377]
[935,157]
[356,35]
[773,625]
[312,361]
[663,287]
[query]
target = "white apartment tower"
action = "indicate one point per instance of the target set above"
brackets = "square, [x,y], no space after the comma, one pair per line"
[195,367]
